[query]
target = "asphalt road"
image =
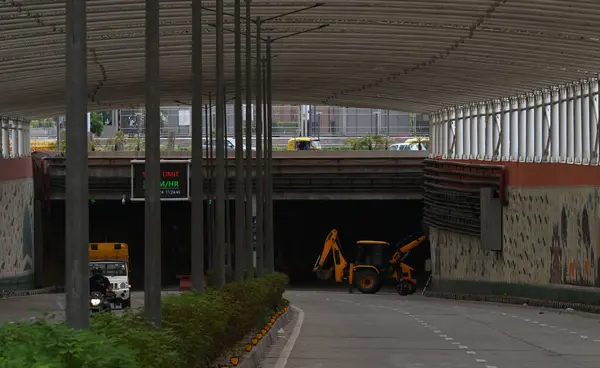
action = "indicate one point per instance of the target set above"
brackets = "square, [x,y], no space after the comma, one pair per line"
[386,330]
[50,305]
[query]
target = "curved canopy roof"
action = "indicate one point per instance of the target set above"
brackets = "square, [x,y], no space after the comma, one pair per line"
[410,55]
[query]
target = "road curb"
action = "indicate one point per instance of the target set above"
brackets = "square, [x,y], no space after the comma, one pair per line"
[589,308]
[252,358]
[5,294]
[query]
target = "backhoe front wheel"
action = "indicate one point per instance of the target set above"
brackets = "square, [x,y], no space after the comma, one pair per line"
[367,281]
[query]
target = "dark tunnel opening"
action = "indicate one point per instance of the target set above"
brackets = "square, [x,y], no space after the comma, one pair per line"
[301,228]
[300,231]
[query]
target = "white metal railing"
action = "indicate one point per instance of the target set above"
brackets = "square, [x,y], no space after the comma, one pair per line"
[15,137]
[559,124]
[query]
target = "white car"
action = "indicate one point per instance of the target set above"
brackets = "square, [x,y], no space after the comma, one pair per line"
[404,147]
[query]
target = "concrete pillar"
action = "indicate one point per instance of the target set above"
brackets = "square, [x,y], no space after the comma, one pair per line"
[21,137]
[555,126]
[496,122]
[474,132]
[514,129]
[490,130]
[77,192]
[152,261]
[594,116]
[585,123]
[14,152]
[505,129]
[452,132]
[197,190]
[522,133]
[4,125]
[482,135]
[570,124]
[467,132]
[530,129]
[538,129]
[460,133]
[578,129]
[446,134]
[344,122]
[562,123]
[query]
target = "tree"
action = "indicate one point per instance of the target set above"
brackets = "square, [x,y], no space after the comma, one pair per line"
[96,123]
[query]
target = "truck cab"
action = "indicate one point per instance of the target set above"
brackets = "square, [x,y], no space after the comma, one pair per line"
[113,259]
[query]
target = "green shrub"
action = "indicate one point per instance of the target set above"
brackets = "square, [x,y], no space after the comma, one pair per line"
[197,329]
[152,348]
[45,345]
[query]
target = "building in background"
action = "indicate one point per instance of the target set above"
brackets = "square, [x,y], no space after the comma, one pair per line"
[288,121]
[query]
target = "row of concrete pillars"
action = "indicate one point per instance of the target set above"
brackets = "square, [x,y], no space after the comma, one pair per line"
[77,194]
[15,137]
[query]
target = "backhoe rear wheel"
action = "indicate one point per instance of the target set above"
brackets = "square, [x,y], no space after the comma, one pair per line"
[367,281]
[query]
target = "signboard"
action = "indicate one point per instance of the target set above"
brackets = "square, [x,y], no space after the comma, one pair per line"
[174,181]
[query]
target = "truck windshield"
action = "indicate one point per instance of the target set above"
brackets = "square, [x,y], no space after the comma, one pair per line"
[110,268]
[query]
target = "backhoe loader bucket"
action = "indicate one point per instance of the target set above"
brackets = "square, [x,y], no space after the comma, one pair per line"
[324,274]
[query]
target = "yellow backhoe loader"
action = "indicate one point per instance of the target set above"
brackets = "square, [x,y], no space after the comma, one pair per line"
[372,262]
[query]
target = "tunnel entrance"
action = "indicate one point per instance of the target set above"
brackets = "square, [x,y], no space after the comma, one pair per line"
[300,231]
[301,228]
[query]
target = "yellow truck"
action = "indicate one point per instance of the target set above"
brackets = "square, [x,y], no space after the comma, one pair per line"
[113,259]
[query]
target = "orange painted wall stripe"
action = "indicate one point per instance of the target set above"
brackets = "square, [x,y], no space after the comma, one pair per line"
[531,174]
[15,168]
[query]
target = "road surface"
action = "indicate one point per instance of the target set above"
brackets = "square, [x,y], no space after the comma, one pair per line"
[52,305]
[385,330]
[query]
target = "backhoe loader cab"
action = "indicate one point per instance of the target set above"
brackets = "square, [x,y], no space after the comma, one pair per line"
[373,259]
[373,252]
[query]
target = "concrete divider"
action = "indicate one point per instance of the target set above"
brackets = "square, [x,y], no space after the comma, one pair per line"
[590,308]
[4,294]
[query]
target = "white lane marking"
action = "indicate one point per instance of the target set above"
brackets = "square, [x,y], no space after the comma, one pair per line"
[536,322]
[443,335]
[289,345]
[437,331]
[544,325]
[456,343]
[480,360]
[572,332]
[504,314]
[596,340]
[463,347]
[490,366]
[471,352]
[449,339]
[583,337]
[527,320]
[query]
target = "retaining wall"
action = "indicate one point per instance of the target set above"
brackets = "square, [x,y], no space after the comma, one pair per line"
[551,239]
[16,223]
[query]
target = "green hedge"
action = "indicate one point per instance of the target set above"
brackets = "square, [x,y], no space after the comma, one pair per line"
[197,330]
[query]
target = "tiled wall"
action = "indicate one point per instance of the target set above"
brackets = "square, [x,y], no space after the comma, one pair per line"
[16,228]
[551,236]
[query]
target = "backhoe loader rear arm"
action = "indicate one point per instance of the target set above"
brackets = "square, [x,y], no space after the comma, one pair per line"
[332,256]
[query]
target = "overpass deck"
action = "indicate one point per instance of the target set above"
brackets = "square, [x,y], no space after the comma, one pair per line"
[327,175]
